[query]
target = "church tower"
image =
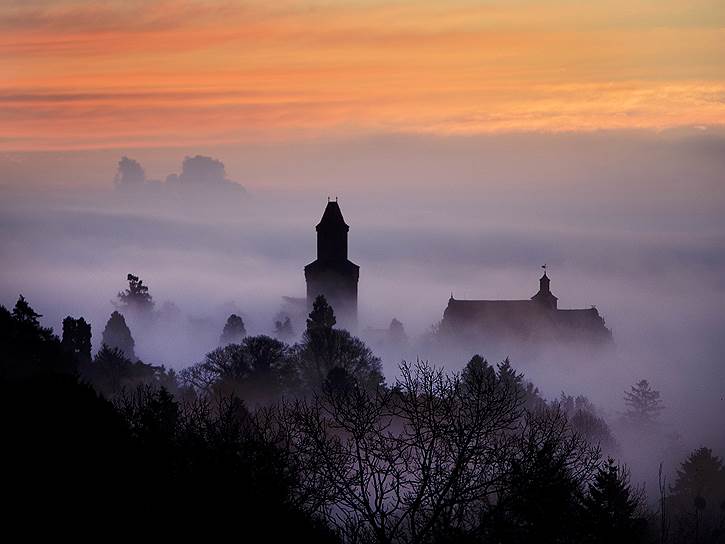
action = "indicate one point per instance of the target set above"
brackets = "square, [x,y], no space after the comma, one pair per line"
[545,297]
[332,274]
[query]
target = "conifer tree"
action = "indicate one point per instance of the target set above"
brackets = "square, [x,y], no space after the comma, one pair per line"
[24,313]
[118,335]
[643,403]
[283,328]
[137,296]
[234,331]
[611,505]
[322,316]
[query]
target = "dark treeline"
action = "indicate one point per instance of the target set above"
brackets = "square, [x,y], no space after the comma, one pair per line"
[307,442]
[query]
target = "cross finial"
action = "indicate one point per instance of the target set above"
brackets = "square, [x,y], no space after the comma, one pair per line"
[328,198]
[544,267]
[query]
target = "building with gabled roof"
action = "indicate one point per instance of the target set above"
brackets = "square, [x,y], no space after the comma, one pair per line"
[536,319]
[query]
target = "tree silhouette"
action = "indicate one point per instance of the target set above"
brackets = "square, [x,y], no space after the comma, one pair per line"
[396,334]
[283,328]
[698,498]
[234,331]
[436,458]
[612,507]
[77,339]
[28,348]
[118,335]
[643,403]
[584,419]
[257,370]
[111,372]
[23,313]
[324,349]
[546,469]
[322,316]
[136,297]
[59,434]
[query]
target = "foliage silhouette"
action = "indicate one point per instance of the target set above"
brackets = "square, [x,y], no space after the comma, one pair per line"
[396,334]
[697,499]
[111,372]
[258,369]
[643,404]
[324,349]
[583,418]
[136,297]
[437,455]
[613,508]
[312,445]
[77,339]
[141,459]
[283,328]
[233,331]
[28,348]
[117,335]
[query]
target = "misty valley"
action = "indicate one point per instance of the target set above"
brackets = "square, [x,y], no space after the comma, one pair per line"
[362,271]
[320,426]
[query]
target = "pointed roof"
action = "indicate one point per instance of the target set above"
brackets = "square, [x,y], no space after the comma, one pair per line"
[332,217]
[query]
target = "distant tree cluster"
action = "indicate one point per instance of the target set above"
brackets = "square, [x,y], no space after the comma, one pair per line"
[262,368]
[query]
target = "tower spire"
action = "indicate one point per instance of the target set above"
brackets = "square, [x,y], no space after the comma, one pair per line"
[545,296]
[332,274]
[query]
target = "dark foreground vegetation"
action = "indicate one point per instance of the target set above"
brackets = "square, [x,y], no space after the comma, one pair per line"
[306,442]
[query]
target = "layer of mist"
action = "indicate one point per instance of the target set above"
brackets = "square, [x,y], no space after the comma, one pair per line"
[630,222]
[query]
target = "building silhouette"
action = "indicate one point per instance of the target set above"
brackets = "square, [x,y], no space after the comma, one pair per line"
[332,274]
[537,319]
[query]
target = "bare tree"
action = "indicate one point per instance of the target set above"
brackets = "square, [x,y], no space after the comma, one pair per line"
[423,458]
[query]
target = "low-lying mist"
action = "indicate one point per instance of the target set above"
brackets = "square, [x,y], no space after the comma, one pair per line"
[630,222]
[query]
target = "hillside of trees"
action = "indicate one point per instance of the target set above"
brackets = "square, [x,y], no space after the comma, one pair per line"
[308,442]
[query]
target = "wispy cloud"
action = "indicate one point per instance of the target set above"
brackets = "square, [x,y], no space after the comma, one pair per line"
[80,75]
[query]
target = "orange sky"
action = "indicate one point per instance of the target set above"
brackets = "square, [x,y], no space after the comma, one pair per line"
[82,75]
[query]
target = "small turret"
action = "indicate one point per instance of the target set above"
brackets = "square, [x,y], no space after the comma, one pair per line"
[545,296]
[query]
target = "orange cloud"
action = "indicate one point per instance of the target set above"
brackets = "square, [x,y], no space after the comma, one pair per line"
[174,73]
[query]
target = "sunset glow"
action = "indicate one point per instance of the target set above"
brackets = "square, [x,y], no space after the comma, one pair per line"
[79,75]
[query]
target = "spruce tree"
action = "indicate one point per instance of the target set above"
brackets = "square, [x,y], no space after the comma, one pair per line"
[118,335]
[234,331]
[611,506]
[137,296]
[643,403]
[322,316]
[24,313]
